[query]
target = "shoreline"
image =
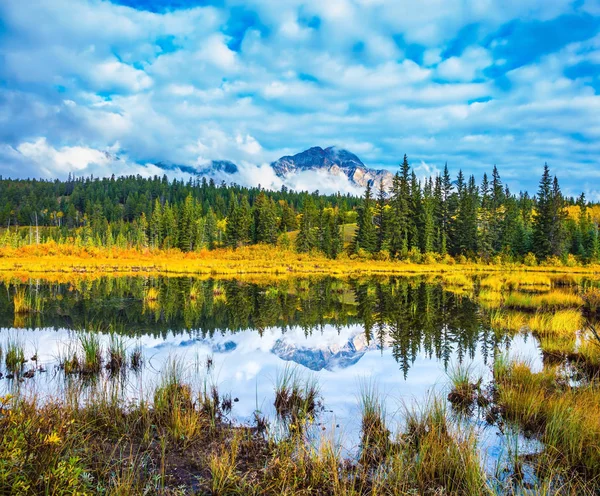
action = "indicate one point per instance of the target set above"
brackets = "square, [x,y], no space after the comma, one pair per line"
[60,260]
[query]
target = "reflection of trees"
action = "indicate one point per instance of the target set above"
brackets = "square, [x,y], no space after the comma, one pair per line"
[408,315]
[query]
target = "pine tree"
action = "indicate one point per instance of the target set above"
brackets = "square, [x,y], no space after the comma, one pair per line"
[542,223]
[306,240]
[265,220]
[210,226]
[186,224]
[416,215]
[156,225]
[366,235]
[497,210]
[381,219]
[485,221]
[558,236]
[428,217]
[394,225]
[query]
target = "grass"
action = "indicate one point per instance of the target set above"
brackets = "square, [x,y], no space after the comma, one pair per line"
[170,446]
[296,398]
[591,296]
[463,391]
[117,354]
[375,436]
[552,300]
[444,456]
[566,418]
[91,361]
[14,355]
[22,302]
[563,322]
[136,358]
[51,260]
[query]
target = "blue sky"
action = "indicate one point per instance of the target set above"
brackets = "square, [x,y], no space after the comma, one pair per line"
[514,83]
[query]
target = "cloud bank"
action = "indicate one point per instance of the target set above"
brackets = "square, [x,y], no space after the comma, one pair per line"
[511,83]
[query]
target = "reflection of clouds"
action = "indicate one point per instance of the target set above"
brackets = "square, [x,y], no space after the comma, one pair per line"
[245,366]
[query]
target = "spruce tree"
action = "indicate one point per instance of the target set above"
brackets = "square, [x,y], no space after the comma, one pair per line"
[381,219]
[543,219]
[366,235]
[306,240]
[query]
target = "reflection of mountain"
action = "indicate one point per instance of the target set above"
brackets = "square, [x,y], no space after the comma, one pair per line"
[329,356]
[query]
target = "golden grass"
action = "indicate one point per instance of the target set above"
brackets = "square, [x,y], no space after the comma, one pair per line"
[566,418]
[550,300]
[22,303]
[52,260]
[563,322]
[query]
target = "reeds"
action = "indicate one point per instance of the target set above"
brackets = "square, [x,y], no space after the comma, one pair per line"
[14,355]
[117,354]
[463,391]
[566,418]
[296,397]
[552,300]
[91,361]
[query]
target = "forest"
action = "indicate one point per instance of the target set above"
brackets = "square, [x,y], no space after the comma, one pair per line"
[418,220]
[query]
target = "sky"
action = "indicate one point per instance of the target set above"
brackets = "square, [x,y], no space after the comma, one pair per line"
[100,87]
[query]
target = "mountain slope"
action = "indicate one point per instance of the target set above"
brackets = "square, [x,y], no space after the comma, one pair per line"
[334,161]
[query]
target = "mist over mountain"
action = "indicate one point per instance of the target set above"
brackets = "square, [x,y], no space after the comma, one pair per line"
[332,169]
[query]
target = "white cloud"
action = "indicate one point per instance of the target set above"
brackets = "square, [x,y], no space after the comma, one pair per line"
[86,74]
[466,67]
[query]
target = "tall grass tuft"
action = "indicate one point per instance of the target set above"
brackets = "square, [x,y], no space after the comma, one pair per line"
[136,358]
[375,436]
[91,361]
[296,398]
[22,301]
[445,459]
[117,354]
[15,355]
[464,390]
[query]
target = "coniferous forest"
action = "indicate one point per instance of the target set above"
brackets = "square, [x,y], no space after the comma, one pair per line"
[418,220]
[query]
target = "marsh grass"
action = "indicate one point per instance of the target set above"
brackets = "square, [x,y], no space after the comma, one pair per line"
[296,397]
[25,303]
[566,418]
[91,360]
[22,302]
[552,300]
[445,456]
[464,390]
[14,355]
[591,297]
[136,357]
[117,354]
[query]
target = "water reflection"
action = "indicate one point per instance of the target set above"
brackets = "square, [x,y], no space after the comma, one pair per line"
[407,317]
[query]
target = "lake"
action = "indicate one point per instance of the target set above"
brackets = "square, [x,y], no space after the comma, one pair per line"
[399,335]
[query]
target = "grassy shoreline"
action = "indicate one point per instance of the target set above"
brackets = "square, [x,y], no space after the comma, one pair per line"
[51,259]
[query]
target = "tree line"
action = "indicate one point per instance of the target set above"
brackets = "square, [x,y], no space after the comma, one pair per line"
[462,218]
[430,219]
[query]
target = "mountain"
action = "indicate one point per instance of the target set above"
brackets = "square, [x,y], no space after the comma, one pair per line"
[327,356]
[335,161]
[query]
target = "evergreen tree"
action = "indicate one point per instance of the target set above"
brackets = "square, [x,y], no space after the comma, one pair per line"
[366,235]
[428,217]
[381,219]
[210,227]
[306,240]
[265,220]
[485,218]
[542,224]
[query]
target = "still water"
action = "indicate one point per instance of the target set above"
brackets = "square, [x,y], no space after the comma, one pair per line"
[400,335]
